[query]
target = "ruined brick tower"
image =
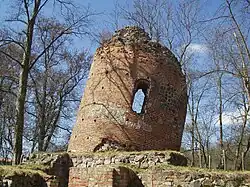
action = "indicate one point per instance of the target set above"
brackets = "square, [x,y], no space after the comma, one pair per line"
[126,63]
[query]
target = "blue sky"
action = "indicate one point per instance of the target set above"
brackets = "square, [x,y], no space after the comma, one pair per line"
[105,7]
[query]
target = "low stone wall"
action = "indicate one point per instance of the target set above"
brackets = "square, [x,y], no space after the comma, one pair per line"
[117,169]
[146,169]
[182,177]
[120,176]
[137,159]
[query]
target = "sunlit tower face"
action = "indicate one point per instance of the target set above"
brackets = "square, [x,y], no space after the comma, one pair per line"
[135,97]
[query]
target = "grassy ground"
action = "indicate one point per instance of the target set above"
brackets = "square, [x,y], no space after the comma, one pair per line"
[30,170]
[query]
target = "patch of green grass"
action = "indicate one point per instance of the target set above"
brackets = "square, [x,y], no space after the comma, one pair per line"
[38,155]
[8,171]
[33,167]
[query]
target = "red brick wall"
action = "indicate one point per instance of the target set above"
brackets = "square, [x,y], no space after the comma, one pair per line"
[106,108]
[103,177]
[98,177]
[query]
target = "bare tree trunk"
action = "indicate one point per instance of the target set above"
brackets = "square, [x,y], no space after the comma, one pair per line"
[18,143]
[192,146]
[42,126]
[42,122]
[240,144]
[192,131]
[219,85]
[23,86]
[200,157]
[46,143]
[245,152]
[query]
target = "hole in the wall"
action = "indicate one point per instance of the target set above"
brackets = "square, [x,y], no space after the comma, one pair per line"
[82,119]
[87,138]
[140,96]
[102,87]
[94,120]
[94,103]
[106,72]
[138,102]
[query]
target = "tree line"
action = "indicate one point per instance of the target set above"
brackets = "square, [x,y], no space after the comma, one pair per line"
[39,73]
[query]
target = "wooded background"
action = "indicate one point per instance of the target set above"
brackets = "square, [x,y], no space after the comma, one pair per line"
[43,71]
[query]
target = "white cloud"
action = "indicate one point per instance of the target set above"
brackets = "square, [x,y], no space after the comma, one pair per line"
[197,48]
[231,118]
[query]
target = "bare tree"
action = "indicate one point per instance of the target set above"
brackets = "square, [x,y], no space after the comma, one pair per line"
[175,25]
[230,53]
[53,81]
[8,86]
[27,14]
[53,84]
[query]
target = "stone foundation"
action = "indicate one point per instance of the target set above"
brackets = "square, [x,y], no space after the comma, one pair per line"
[120,176]
[136,159]
[118,169]
[146,169]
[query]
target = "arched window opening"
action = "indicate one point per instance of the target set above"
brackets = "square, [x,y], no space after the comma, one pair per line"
[140,96]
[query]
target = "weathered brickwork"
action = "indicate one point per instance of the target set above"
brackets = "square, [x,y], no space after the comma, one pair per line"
[121,176]
[103,177]
[130,61]
[99,177]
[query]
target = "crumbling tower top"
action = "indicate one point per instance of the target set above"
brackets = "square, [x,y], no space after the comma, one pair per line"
[132,35]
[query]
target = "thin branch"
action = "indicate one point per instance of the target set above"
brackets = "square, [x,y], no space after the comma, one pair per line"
[26,7]
[12,58]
